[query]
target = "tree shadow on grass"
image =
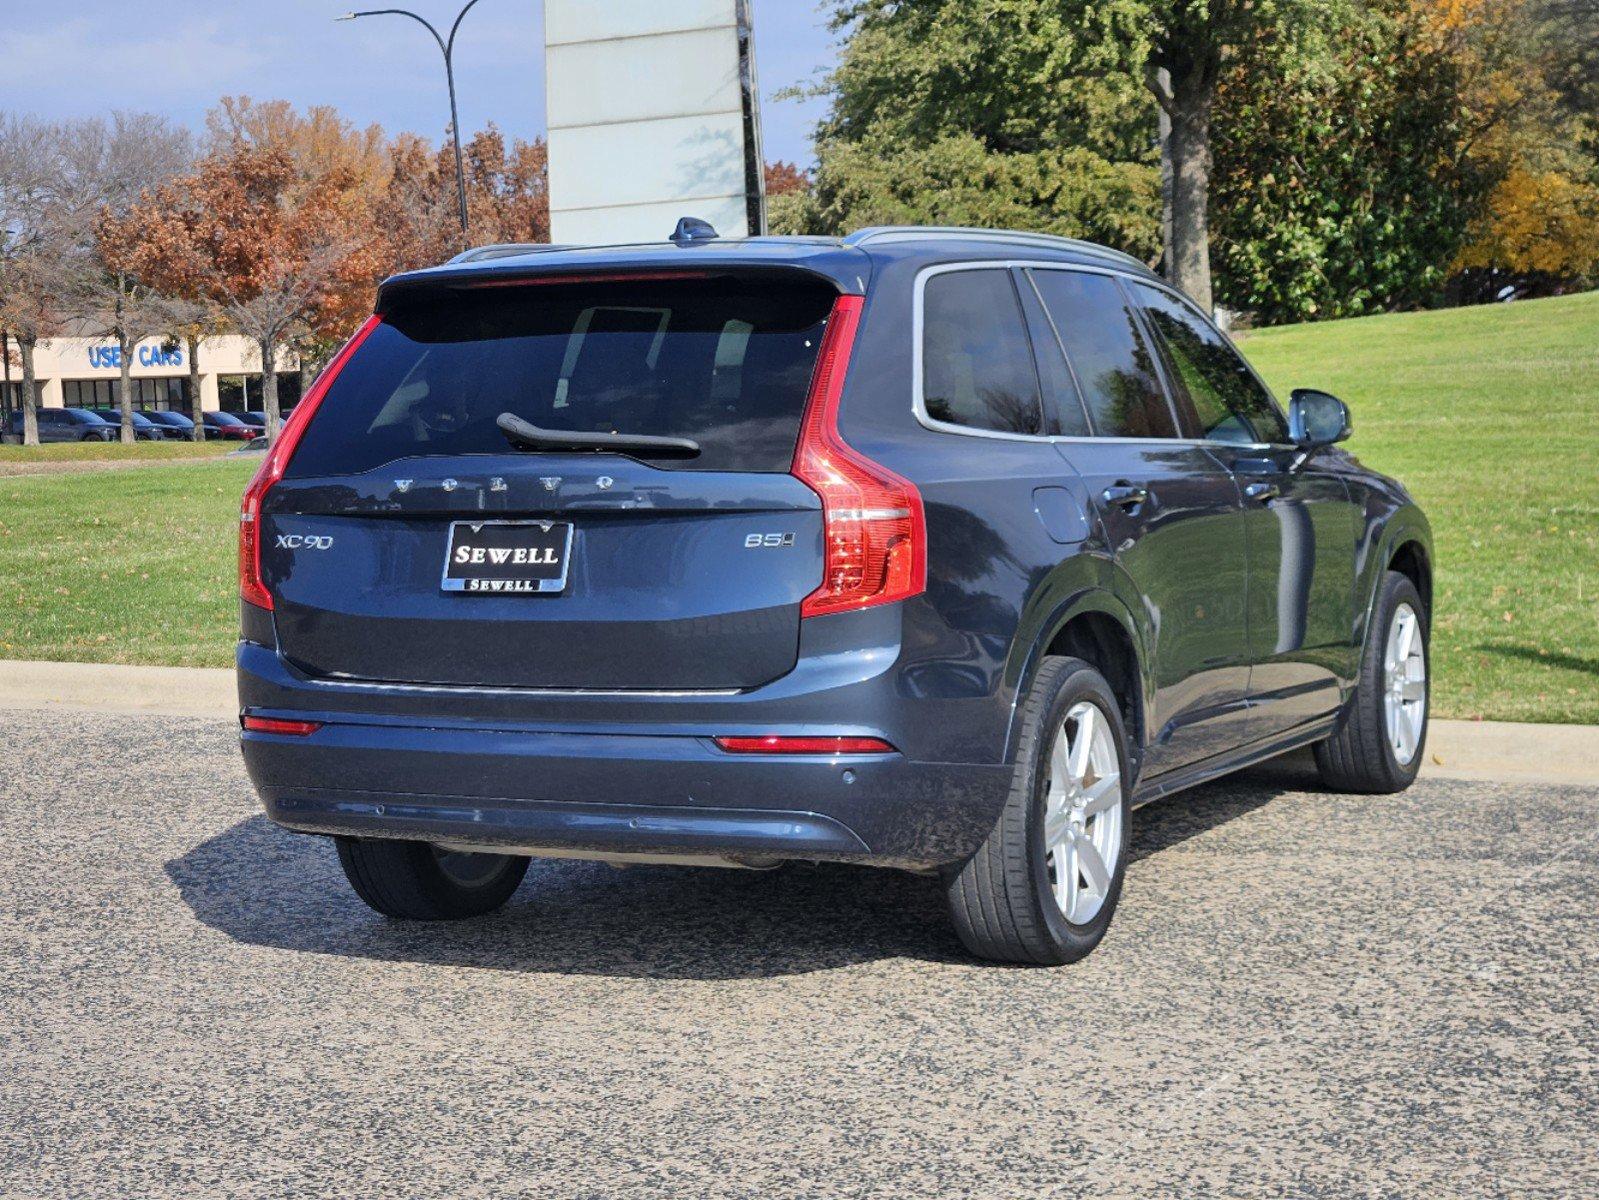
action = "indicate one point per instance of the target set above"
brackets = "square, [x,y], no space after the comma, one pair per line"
[1547,658]
[260,885]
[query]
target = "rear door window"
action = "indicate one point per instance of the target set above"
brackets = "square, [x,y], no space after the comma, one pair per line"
[1229,403]
[1109,354]
[977,361]
[725,361]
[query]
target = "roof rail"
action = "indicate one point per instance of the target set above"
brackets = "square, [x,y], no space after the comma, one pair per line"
[504,250]
[911,233]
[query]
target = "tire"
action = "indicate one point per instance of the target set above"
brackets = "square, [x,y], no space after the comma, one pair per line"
[1003,901]
[1361,755]
[414,881]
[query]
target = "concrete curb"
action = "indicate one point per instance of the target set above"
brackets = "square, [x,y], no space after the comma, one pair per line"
[1513,752]
[1494,751]
[104,687]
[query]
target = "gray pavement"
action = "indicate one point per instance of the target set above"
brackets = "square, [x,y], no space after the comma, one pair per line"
[1302,995]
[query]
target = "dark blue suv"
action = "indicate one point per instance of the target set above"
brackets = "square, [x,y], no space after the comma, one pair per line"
[933,549]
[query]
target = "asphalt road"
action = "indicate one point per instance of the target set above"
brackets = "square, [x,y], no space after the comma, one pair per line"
[1303,995]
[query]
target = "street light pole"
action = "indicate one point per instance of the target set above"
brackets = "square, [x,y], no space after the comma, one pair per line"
[446,48]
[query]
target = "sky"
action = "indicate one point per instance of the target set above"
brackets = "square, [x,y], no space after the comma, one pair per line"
[177,57]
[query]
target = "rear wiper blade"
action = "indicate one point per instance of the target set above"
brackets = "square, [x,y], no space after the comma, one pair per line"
[526,436]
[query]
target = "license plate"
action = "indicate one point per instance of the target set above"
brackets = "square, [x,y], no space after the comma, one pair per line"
[508,557]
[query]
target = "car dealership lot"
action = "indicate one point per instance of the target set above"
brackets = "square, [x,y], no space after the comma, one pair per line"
[1305,994]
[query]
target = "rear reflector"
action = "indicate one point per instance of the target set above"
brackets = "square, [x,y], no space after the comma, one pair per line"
[773,744]
[874,529]
[273,725]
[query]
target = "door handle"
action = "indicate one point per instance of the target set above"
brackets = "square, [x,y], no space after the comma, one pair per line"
[1264,492]
[1125,495]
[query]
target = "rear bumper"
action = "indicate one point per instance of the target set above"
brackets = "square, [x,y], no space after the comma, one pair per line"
[621,788]
[620,794]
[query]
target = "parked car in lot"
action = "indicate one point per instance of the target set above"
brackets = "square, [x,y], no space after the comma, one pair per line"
[226,425]
[144,429]
[256,420]
[65,425]
[174,424]
[928,549]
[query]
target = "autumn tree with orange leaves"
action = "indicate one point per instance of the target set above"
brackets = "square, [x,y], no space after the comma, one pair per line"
[507,197]
[1529,72]
[276,253]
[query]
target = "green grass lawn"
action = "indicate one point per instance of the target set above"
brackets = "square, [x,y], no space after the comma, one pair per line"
[122,566]
[111,451]
[1491,415]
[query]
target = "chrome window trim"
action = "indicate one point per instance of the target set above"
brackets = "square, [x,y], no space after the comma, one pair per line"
[918,378]
[919,407]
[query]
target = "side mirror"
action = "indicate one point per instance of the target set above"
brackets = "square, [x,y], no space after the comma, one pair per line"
[1317,419]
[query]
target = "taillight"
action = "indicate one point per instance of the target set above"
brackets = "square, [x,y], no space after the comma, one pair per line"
[251,587]
[278,726]
[874,529]
[780,744]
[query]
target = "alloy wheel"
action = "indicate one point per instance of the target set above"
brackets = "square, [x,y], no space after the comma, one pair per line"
[469,870]
[1404,672]
[1083,813]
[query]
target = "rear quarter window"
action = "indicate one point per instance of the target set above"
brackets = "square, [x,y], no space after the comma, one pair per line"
[724,361]
[977,361]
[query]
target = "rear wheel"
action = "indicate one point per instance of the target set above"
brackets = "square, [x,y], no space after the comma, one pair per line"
[1378,746]
[416,881]
[1043,887]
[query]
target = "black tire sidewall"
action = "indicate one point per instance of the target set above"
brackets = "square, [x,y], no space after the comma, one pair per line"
[1079,682]
[403,879]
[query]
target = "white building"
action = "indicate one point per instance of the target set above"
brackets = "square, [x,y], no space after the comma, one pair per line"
[82,372]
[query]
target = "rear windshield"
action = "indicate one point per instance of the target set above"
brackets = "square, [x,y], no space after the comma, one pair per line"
[724,361]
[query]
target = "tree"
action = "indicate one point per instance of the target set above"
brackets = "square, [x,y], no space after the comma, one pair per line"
[59,179]
[188,316]
[956,181]
[276,255]
[36,247]
[1025,112]
[1057,95]
[1190,43]
[788,198]
[319,142]
[33,283]
[112,164]
[1531,86]
[127,310]
[1343,182]
[786,178]
[507,195]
